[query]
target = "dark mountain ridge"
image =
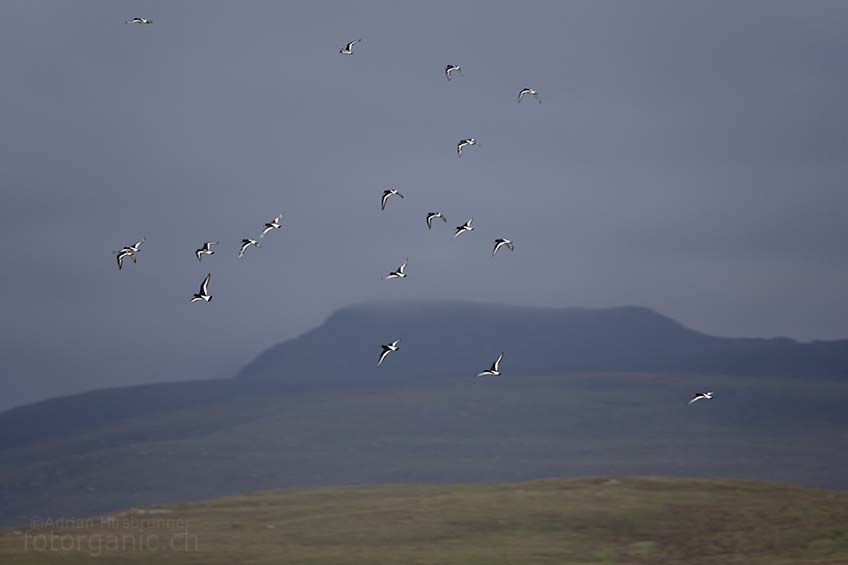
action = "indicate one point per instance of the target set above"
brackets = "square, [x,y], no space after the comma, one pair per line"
[446,339]
[584,392]
[442,340]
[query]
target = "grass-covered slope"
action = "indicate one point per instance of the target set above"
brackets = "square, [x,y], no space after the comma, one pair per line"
[577,521]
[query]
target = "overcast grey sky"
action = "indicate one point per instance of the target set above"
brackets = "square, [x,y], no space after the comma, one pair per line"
[688,156]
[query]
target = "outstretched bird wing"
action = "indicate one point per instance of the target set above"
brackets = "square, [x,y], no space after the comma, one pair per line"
[204,286]
[496,365]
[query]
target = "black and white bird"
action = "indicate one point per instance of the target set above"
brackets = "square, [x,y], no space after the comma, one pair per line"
[462,143]
[348,49]
[138,21]
[529,92]
[432,215]
[245,243]
[494,370]
[206,249]
[399,274]
[272,225]
[500,242]
[387,348]
[452,69]
[123,254]
[464,228]
[701,396]
[388,194]
[128,251]
[204,290]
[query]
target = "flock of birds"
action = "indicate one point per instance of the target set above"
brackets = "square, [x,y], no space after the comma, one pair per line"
[203,295]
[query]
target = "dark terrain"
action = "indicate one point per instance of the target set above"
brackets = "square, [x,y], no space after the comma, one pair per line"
[584,392]
[446,339]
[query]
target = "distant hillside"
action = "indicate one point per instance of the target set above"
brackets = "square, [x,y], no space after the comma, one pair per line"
[598,520]
[111,449]
[316,411]
[450,339]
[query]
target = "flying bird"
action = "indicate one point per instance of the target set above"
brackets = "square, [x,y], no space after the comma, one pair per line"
[500,242]
[206,249]
[432,215]
[123,254]
[388,194]
[529,92]
[452,69]
[464,228]
[272,225]
[204,291]
[138,21]
[701,395]
[348,49]
[245,243]
[462,143]
[128,251]
[399,274]
[387,348]
[494,370]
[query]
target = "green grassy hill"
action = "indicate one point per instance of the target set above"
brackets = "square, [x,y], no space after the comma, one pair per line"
[575,521]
